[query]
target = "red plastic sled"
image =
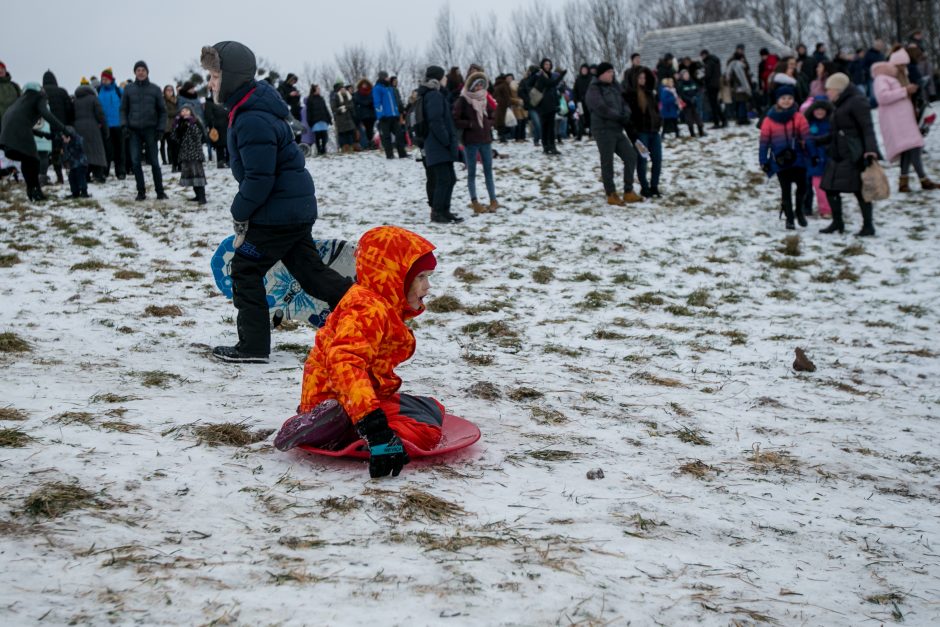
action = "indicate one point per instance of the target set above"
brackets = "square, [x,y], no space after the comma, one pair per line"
[456,433]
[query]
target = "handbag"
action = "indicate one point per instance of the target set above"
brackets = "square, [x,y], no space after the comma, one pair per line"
[213,135]
[510,121]
[535,97]
[875,182]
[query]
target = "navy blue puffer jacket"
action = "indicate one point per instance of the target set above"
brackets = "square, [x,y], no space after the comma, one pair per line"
[274,186]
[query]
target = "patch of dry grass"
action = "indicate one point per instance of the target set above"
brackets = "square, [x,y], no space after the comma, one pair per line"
[165,311]
[548,416]
[485,390]
[12,413]
[649,377]
[773,461]
[56,498]
[73,418]
[14,438]
[8,261]
[444,304]
[12,343]
[698,469]
[691,436]
[128,274]
[553,455]
[543,275]
[229,434]
[466,276]
[524,393]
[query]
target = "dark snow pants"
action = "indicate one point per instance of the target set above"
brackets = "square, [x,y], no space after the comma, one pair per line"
[610,143]
[264,246]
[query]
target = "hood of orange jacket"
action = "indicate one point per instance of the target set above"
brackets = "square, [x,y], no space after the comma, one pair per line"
[383,258]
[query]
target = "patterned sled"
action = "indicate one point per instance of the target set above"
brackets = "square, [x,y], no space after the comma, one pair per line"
[456,433]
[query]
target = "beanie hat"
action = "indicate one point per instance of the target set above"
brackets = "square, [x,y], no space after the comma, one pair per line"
[108,73]
[141,64]
[3,65]
[84,81]
[427,261]
[837,82]
[434,72]
[383,75]
[604,66]
[32,86]
[784,90]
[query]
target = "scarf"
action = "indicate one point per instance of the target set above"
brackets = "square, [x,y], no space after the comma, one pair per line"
[433,84]
[476,99]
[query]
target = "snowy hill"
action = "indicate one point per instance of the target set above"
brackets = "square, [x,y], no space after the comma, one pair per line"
[654,342]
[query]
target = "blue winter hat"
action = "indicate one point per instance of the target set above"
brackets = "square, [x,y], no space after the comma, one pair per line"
[784,90]
[32,86]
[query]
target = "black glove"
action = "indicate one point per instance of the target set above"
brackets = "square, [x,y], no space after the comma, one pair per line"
[386,452]
[765,167]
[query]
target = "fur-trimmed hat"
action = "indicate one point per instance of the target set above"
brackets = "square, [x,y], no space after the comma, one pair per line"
[234,61]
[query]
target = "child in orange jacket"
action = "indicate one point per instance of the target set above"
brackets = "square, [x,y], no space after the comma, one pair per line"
[349,384]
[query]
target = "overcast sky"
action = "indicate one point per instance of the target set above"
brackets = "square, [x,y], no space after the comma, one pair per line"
[78,38]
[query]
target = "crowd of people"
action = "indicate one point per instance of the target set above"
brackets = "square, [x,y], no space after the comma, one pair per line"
[121,125]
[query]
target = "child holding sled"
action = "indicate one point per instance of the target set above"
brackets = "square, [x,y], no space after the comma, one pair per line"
[350,388]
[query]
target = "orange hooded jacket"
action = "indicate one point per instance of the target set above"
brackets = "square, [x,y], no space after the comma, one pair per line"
[365,337]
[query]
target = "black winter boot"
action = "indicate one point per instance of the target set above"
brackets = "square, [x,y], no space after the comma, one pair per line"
[837,225]
[200,194]
[868,225]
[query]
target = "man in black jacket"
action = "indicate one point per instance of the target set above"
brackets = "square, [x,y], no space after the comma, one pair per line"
[581,85]
[143,113]
[713,87]
[610,117]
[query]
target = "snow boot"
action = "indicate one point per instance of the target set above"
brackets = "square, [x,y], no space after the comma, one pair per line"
[614,199]
[200,194]
[868,224]
[904,184]
[235,355]
[326,426]
[926,184]
[477,207]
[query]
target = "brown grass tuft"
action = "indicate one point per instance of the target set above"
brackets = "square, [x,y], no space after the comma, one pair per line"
[230,434]
[167,311]
[57,498]
[698,469]
[12,413]
[12,343]
[14,438]
[444,304]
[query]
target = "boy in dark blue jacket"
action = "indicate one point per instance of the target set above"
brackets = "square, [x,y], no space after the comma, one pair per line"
[276,205]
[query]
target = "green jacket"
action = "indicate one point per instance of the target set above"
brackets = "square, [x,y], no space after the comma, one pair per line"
[9,92]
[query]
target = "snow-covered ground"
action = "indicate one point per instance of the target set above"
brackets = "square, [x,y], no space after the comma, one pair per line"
[654,342]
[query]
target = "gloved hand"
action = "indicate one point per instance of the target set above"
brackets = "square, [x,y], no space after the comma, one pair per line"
[765,167]
[241,230]
[386,452]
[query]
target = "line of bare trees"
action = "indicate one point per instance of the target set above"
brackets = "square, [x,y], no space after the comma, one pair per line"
[594,30]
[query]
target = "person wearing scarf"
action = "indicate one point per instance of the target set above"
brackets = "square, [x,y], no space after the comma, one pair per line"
[474,115]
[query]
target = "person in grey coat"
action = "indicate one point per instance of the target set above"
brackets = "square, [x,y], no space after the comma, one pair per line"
[143,113]
[609,116]
[16,134]
[90,123]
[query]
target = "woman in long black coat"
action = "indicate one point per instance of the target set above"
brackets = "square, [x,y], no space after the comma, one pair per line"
[16,136]
[90,124]
[852,144]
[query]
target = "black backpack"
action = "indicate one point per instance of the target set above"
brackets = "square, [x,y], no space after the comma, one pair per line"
[421,128]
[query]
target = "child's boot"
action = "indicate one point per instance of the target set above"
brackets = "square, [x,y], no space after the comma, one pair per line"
[904,184]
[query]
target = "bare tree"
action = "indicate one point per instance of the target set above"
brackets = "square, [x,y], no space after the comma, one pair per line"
[445,40]
[354,62]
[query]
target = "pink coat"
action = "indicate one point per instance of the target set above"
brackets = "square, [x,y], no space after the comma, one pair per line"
[895,112]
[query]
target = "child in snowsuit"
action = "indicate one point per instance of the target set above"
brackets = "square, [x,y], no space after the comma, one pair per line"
[189,134]
[350,388]
[669,107]
[783,135]
[817,115]
[688,93]
[73,150]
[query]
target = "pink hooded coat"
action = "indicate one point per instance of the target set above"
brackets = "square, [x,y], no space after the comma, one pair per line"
[895,110]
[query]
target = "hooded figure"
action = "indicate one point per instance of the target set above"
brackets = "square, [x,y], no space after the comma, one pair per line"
[355,354]
[60,104]
[16,134]
[90,122]
[275,206]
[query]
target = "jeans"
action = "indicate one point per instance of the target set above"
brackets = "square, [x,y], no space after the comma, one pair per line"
[146,139]
[293,245]
[536,126]
[654,144]
[486,156]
